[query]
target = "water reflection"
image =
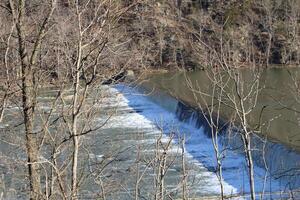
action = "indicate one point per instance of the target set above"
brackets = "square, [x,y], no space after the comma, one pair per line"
[277,109]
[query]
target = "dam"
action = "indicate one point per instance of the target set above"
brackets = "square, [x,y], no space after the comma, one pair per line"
[144,131]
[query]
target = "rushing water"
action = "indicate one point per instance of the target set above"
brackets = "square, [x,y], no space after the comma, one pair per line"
[279,98]
[283,164]
[277,148]
[136,122]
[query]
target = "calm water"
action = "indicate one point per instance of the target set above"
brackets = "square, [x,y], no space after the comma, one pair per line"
[280,118]
[126,148]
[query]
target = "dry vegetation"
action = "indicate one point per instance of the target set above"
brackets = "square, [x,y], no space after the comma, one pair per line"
[76,45]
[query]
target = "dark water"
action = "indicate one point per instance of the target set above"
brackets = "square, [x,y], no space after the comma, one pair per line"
[126,148]
[277,110]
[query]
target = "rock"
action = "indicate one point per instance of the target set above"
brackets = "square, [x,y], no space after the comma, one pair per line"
[115,78]
[130,76]
[127,76]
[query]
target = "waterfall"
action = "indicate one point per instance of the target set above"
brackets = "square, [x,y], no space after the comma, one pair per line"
[280,162]
[174,116]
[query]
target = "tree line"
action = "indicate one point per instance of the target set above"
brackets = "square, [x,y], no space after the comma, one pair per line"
[74,45]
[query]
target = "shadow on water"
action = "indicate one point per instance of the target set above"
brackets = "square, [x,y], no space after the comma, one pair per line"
[276,169]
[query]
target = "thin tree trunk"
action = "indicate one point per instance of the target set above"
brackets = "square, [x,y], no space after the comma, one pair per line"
[28,91]
[184,178]
[249,160]
[75,166]
[28,99]
[3,106]
[75,117]
[269,49]
[6,63]
[75,138]
[31,139]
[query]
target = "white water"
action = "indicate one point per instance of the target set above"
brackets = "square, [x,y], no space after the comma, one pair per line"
[151,119]
[141,114]
[198,145]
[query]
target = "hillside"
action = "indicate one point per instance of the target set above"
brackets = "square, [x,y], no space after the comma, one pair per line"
[185,33]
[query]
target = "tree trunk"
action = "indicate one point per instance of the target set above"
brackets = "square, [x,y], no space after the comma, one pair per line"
[269,50]
[28,100]
[75,161]
[31,139]
[3,106]
[250,166]
[75,115]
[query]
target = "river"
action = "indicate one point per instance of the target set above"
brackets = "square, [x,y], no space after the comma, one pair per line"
[280,117]
[125,150]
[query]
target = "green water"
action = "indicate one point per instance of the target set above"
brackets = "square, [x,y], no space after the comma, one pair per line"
[279,120]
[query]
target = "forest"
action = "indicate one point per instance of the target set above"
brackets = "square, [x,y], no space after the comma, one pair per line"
[56,56]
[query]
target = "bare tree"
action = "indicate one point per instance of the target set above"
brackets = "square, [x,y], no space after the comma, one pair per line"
[28,61]
[209,104]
